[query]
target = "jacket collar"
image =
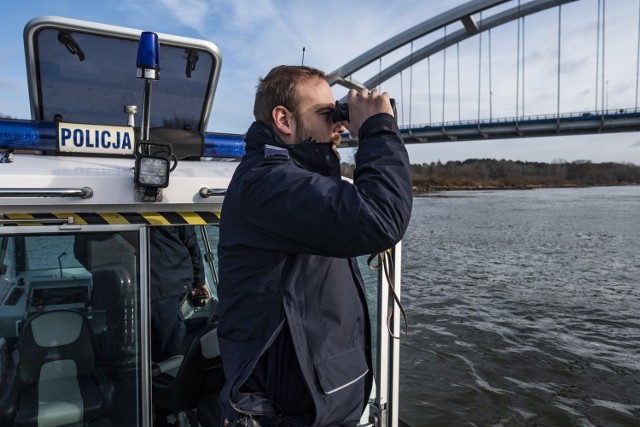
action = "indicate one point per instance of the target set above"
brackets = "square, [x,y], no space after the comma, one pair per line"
[316,157]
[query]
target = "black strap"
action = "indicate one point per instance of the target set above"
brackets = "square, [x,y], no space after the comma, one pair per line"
[385,262]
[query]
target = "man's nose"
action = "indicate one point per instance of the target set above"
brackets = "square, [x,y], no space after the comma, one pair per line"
[338,127]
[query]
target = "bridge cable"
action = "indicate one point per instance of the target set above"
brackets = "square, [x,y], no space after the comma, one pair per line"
[638,57]
[429,87]
[518,64]
[444,70]
[411,85]
[402,98]
[524,39]
[458,54]
[601,58]
[479,67]
[379,85]
[559,63]
[490,88]
[597,56]
[605,102]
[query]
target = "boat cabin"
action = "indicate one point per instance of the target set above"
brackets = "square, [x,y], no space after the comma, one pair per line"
[117,147]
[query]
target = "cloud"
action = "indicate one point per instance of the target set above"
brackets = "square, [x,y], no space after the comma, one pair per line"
[190,13]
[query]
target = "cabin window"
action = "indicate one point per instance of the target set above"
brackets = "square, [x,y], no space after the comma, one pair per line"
[70,328]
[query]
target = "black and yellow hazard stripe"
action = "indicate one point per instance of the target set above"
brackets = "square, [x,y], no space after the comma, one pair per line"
[115,218]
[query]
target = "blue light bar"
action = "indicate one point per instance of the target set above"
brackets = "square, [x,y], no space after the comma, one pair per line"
[28,135]
[39,135]
[223,145]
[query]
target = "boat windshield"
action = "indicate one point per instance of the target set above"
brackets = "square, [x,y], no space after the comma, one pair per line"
[86,76]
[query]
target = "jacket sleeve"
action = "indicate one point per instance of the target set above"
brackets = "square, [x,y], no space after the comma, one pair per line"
[190,242]
[300,211]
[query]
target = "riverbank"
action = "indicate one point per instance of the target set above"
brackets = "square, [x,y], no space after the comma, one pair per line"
[422,187]
[491,174]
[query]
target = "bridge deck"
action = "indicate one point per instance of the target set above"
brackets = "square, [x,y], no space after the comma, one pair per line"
[532,126]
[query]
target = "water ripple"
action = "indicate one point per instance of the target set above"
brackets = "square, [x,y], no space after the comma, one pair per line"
[523,309]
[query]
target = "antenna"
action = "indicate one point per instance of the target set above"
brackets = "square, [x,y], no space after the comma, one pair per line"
[303,48]
[60,261]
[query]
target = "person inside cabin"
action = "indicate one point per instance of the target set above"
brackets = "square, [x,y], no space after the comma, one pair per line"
[176,270]
[294,331]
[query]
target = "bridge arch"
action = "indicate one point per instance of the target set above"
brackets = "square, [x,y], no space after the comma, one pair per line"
[495,13]
[463,13]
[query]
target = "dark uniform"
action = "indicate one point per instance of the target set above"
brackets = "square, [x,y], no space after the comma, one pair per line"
[176,268]
[294,329]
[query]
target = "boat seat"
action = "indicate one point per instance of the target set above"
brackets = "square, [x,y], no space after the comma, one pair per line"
[180,381]
[58,379]
[113,316]
[112,292]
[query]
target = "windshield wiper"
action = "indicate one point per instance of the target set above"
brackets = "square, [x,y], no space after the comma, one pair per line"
[192,58]
[71,45]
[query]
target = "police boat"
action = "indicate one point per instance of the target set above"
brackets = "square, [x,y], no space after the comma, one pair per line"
[116,146]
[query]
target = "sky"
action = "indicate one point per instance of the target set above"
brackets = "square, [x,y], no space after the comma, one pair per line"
[512,71]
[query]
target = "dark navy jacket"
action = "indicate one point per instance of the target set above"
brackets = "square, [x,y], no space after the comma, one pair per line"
[290,229]
[176,263]
[176,268]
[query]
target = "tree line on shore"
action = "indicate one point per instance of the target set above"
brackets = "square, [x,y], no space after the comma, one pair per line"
[476,174]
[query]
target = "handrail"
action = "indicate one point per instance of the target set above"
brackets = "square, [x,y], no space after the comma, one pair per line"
[68,220]
[208,192]
[84,192]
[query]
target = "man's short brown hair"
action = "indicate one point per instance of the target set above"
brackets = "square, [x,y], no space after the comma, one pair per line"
[279,88]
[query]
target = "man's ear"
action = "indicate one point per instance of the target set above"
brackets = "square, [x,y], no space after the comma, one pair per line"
[282,122]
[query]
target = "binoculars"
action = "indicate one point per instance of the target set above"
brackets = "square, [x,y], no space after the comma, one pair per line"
[341,112]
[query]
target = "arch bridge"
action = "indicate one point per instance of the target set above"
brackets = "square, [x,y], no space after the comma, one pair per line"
[493,100]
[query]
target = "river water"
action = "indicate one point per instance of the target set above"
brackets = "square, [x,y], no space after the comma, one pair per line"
[523,309]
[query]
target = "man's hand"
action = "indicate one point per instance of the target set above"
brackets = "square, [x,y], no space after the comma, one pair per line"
[199,296]
[364,104]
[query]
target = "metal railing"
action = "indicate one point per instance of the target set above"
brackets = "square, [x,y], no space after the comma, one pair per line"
[530,118]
